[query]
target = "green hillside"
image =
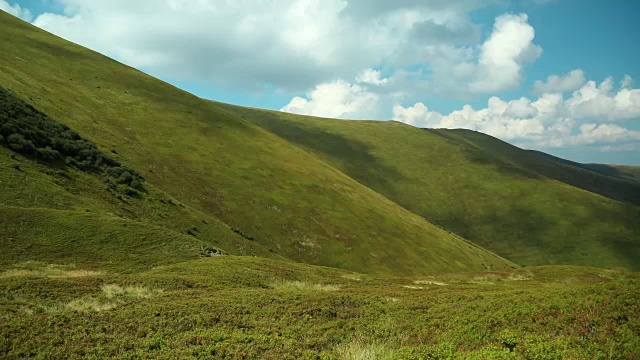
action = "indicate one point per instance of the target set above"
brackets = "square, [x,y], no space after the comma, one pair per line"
[509,207]
[278,197]
[605,180]
[628,172]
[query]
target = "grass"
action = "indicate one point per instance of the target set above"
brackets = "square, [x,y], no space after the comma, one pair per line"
[85,274]
[360,350]
[53,271]
[117,291]
[478,187]
[606,180]
[302,286]
[283,201]
[629,172]
[227,308]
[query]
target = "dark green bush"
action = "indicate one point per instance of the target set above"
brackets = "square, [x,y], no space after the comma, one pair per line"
[33,134]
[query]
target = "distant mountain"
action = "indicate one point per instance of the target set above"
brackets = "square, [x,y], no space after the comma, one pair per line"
[606,180]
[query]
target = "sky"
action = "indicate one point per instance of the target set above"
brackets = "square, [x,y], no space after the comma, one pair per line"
[552,75]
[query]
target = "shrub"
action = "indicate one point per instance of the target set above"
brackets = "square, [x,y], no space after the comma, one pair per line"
[31,133]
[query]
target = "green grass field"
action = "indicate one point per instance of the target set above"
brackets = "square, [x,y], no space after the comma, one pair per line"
[255,308]
[339,239]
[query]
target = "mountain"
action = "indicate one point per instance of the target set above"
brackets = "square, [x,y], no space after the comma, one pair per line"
[626,172]
[208,173]
[605,180]
[528,207]
[377,197]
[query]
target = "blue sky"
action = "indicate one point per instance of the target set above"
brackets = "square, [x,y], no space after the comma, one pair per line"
[550,75]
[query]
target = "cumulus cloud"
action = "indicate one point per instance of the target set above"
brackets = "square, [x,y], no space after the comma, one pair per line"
[338,99]
[371,76]
[415,115]
[600,101]
[626,82]
[556,84]
[596,134]
[550,121]
[236,42]
[496,65]
[504,54]
[16,10]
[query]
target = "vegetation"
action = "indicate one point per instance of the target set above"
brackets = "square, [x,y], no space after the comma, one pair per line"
[31,133]
[628,172]
[606,180]
[85,274]
[478,187]
[48,217]
[227,308]
[218,167]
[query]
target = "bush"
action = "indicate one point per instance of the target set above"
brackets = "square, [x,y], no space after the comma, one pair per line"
[33,134]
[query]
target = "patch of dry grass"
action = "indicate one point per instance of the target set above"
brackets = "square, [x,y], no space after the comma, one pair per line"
[361,350]
[53,271]
[90,304]
[430,282]
[413,287]
[115,291]
[353,276]
[302,286]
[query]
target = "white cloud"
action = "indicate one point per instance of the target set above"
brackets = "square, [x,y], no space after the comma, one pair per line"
[498,66]
[294,45]
[504,54]
[338,99]
[557,84]
[619,148]
[16,10]
[590,134]
[600,101]
[289,44]
[549,121]
[371,76]
[415,115]
[521,109]
[495,65]
[626,82]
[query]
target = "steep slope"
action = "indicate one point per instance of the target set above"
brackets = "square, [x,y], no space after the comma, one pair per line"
[49,215]
[507,208]
[271,193]
[605,180]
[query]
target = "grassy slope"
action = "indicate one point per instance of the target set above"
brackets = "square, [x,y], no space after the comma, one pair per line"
[521,215]
[219,165]
[605,180]
[44,215]
[256,308]
[629,172]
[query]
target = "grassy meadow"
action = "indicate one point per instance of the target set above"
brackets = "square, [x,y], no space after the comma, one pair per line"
[138,221]
[255,308]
